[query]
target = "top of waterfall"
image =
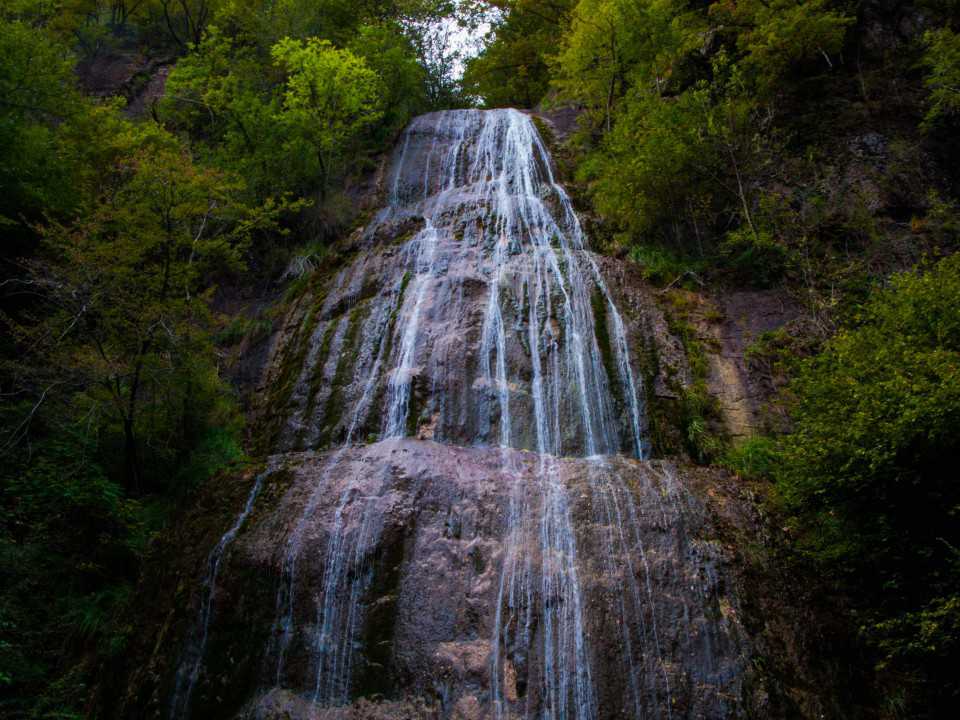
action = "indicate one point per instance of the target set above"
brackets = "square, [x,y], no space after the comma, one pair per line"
[464,155]
[483,183]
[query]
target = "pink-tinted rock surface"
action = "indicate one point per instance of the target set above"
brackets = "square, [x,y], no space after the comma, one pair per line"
[458,518]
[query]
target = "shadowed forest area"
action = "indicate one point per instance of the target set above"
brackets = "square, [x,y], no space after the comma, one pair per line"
[174,172]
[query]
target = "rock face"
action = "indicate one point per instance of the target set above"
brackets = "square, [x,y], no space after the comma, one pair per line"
[412,583]
[458,518]
[728,325]
[473,313]
[126,72]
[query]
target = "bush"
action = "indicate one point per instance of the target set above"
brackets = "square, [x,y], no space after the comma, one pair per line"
[661,265]
[869,475]
[752,459]
[755,258]
[942,60]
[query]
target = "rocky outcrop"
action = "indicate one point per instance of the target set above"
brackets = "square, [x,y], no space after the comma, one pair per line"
[128,73]
[728,326]
[424,538]
[458,518]
[738,636]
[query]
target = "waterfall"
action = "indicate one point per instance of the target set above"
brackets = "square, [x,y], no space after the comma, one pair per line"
[475,317]
[400,381]
[484,186]
[536,256]
[493,167]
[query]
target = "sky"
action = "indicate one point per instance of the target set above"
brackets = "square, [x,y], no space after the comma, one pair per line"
[462,43]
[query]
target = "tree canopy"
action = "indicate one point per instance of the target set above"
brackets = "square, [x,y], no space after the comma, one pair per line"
[120,233]
[878,502]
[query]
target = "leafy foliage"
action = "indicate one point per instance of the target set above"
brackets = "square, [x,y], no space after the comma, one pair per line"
[128,287]
[331,95]
[753,459]
[662,159]
[36,91]
[942,59]
[119,233]
[877,502]
[401,77]
[295,113]
[513,67]
[784,37]
[616,48]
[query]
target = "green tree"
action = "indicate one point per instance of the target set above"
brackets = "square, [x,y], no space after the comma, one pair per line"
[187,20]
[616,45]
[778,37]
[125,290]
[513,67]
[37,92]
[221,97]
[878,503]
[942,60]
[656,160]
[288,128]
[387,51]
[330,98]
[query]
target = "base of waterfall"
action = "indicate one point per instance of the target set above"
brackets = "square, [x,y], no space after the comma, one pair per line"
[440,602]
[278,704]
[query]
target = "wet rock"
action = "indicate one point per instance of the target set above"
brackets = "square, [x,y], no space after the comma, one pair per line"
[461,226]
[285,705]
[417,516]
[410,554]
[467,708]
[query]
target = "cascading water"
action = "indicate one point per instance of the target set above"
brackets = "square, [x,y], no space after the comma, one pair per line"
[472,373]
[192,658]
